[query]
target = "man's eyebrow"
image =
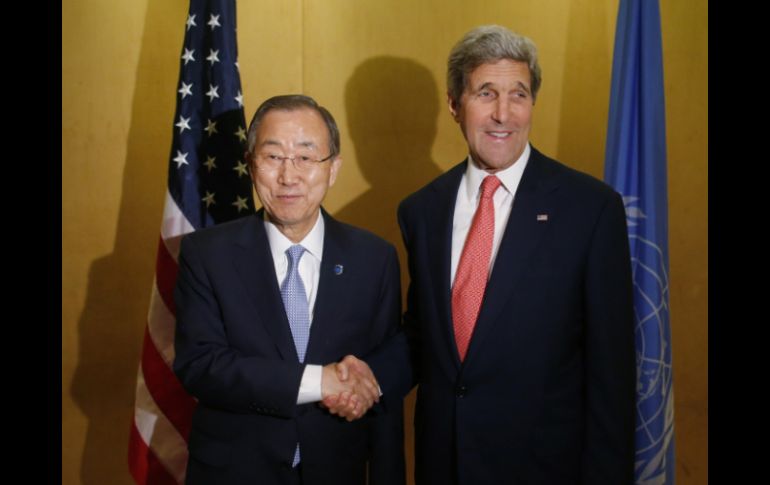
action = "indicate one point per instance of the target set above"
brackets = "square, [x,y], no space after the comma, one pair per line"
[523,86]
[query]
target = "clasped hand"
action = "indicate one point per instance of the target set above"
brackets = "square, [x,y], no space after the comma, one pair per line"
[349,388]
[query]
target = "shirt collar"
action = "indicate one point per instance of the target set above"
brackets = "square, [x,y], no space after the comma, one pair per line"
[509,177]
[313,242]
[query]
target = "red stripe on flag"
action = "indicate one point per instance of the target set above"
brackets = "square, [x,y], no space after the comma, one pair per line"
[165,276]
[143,464]
[165,389]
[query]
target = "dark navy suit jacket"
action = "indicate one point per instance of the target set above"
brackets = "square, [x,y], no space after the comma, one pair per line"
[236,355]
[546,392]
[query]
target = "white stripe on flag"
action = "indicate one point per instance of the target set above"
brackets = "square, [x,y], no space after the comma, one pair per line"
[158,433]
[175,225]
[160,324]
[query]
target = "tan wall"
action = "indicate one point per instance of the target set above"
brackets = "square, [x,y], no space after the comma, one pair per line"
[379,66]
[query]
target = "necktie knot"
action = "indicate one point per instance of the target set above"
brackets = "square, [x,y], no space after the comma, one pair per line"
[294,253]
[489,185]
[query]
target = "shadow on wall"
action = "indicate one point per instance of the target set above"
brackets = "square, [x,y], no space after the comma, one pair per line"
[392,106]
[119,284]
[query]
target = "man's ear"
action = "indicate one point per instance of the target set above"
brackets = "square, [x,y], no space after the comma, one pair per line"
[336,163]
[454,106]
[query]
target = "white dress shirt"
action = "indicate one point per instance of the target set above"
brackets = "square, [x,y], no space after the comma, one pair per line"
[468,195]
[309,271]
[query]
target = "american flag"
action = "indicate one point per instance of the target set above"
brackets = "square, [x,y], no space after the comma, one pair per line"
[208,183]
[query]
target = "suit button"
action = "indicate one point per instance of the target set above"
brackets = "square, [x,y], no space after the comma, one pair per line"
[461,391]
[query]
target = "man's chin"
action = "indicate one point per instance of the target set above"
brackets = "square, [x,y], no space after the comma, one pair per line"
[493,165]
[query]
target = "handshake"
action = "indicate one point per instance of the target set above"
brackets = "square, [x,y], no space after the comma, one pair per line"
[349,388]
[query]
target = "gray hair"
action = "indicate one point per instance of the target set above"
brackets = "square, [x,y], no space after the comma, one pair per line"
[293,102]
[484,44]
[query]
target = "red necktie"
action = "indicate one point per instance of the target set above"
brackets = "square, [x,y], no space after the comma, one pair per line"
[473,269]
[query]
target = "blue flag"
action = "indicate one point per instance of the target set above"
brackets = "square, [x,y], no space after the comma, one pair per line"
[635,165]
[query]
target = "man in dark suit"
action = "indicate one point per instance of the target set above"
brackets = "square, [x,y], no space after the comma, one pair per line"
[268,303]
[519,315]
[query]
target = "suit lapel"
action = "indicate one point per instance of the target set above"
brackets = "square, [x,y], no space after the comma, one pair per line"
[522,236]
[440,223]
[254,264]
[332,291]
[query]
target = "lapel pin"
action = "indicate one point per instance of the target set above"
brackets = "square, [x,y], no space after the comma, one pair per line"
[338,268]
[542,217]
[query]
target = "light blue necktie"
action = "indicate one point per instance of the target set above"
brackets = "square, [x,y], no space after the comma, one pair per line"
[297,311]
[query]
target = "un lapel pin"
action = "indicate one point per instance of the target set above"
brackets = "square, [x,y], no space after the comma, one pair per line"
[338,268]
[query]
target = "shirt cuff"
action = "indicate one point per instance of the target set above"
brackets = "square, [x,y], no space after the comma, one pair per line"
[310,386]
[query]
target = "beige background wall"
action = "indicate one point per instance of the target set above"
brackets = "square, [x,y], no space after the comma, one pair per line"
[378,65]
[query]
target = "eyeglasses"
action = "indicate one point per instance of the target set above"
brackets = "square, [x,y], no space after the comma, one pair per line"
[304,162]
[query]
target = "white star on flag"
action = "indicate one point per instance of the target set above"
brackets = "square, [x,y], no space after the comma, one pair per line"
[186,89]
[239,99]
[183,123]
[209,199]
[212,92]
[241,133]
[191,21]
[209,163]
[181,159]
[213,21]
[213,56]
[240,203]
[241,169]
[188,55]
[211,127]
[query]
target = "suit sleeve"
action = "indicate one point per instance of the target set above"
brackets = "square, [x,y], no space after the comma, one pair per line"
[387,465]
[395,362]
[609,353]
[208,367]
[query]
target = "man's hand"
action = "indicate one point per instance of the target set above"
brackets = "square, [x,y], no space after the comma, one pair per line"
[349,388]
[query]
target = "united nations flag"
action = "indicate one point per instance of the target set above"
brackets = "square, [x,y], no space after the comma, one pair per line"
[635,165]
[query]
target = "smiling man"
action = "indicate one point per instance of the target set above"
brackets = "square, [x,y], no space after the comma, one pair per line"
[268,303]
[519,325]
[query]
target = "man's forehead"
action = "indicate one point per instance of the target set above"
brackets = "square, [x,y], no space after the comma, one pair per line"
[302,127]
[301,142]
[304,120]
[299,114]
[500,72]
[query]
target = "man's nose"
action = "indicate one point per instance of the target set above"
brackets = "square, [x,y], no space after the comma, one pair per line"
[502,110]
[288,172]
